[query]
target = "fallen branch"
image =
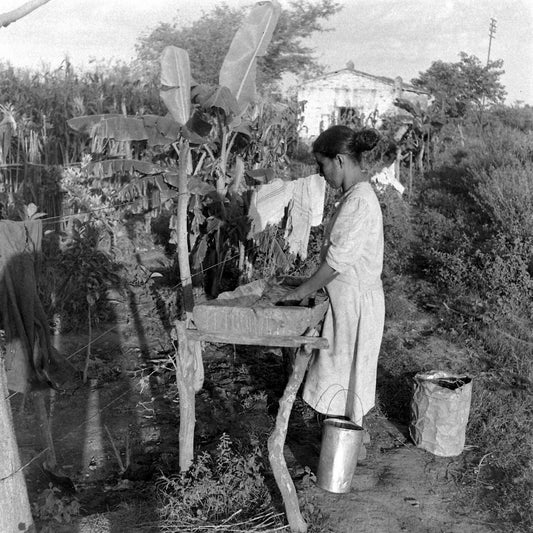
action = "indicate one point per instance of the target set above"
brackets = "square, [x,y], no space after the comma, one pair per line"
[123,467]
[25,9]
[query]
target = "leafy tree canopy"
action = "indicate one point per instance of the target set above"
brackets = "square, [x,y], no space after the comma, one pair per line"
[458,87]
[208,39]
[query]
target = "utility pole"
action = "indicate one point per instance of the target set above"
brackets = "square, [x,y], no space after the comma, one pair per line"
[492,31]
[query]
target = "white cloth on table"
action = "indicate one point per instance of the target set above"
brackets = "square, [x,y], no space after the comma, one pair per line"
[341,380]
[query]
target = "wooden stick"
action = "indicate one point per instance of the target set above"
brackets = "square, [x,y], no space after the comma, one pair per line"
[183,247]
[16,510]
[276,443]
[291,341]
[185,380]
[11,16]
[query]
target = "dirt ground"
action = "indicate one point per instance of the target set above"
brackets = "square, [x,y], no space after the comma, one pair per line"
[130,403]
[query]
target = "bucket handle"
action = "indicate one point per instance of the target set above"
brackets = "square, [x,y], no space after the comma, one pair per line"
[347,391]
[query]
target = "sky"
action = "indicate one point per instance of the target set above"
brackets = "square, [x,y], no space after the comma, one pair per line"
[382,37]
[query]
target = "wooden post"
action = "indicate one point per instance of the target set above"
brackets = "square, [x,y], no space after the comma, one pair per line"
[410,174]
[185,377]
[189,369]
[276,443]
[16,511]
[183,246]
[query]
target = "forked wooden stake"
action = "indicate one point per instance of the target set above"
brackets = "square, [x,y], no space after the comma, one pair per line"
[276,443]
[185,377]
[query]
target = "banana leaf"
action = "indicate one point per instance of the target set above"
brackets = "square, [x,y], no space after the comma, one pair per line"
[176,83]
[250,42]
[198,124]
[110,167]
[209,96]
[86,123]
[261,175]
[121,129]
[161,130]
[154,129]
[195,185]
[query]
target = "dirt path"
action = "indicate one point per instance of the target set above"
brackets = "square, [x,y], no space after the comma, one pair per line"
[130,402]
[396,488]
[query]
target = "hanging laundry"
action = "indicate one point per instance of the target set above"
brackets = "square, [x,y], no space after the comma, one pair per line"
[268,203]
[305,211]
[28,344]
[317,191]
[387,178]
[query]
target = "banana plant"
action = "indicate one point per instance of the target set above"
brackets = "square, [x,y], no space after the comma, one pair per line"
[424,126]
[228,107]
[214,122]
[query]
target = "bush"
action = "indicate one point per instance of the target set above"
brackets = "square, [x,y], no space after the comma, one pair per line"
[217,486]
[475,242]
[397,232]
[77,275]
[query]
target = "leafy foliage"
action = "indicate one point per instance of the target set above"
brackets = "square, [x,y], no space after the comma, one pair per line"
[216,487]
[397,232]
[475,242]
[79,275]
[54,507]
[459,87]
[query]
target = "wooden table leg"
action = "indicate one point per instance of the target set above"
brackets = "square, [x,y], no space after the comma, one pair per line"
[187,383]
[276,443]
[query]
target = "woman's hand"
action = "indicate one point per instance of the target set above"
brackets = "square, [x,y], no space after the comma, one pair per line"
[292,298]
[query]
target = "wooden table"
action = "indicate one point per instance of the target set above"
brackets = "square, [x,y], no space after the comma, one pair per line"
[305,344]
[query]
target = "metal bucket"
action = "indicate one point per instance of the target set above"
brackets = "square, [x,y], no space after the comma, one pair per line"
[341,440]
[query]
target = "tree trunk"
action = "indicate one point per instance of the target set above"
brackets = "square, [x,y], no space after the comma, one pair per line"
[15,512]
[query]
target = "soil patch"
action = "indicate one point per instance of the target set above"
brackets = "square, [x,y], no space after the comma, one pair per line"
[116,433]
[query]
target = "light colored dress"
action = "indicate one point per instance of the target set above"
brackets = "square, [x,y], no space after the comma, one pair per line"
[342,379]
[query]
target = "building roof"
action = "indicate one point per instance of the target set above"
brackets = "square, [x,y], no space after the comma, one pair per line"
[383,79]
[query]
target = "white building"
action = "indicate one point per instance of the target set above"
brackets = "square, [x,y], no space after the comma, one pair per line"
[349,95]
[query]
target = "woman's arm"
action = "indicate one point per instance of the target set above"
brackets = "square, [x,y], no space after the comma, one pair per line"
[319,279]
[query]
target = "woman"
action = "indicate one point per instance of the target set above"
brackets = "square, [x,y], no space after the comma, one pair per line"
[341,380]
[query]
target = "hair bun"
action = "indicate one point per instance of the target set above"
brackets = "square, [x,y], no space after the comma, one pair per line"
[364,140]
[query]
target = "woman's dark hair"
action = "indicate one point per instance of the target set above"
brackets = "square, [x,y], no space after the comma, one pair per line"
[343,140]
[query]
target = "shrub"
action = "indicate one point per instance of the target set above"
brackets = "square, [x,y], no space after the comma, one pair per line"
[79,274]
[217,486]
[475,241]
[398,233]
[55,508]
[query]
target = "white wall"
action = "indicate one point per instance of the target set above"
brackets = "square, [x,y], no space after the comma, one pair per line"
[369,95]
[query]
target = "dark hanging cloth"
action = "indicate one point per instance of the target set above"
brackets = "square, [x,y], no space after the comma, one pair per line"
[29,351]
